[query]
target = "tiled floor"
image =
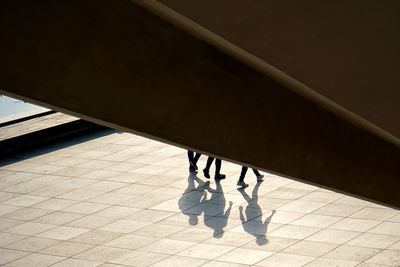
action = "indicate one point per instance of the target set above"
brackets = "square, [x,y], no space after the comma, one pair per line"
[115,199]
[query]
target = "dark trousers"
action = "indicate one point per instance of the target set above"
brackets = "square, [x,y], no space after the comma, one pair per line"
[193,157]
[243,173]
[217,165]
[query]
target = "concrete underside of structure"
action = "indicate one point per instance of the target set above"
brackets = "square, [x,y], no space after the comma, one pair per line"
[118,64]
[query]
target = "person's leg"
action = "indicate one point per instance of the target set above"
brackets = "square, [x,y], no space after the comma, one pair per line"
[243,174]
[259,176]
[196,158]
[192,163]
[241,182]
[206,170]
[218,174]
[190,155]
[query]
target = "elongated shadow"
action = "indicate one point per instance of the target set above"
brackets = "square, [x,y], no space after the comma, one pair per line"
[255,225]
[193,196]
[216,206]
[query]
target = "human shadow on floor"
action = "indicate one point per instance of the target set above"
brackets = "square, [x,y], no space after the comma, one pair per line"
[216,206]
[253,222]
[193,196]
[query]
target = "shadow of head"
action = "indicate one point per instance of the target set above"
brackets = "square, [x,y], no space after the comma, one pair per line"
[261,240]
[193,219]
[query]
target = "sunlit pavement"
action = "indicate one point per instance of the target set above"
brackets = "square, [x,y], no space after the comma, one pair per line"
[116,199]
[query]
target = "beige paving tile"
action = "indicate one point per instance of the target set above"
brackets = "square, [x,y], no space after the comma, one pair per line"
[377,214]
[387,228]
[27,214]
[331,263]
[102,254]
[135,189]
[90,222]
[140,258]
[285,260]
[158,230]
[36,260]
[30,228]
[9,223]
[294,231]
[303,206]
[96,237]
[193,234]
[123,226]
[58,218]
[105,186]
[310,248]
[374,240]
[395,218]
[298,185]
[168,246]
[122,166]
[55,204]
[179,219]
[351,253]
[315,220]
[68,161]
[387,257]
[86,208]
[272,244]
[71,171]
[364,264]
[117,212]
[63,232]
[131,242]
[284,217]
[179,261]
[149,215]
[287,193]
[46,168]
[244,256]
[322,196]
[333,236]
[338,210]
[7,238]
[76,263]
[357,225]
[25,200]
[32,244]
[206,251]
[5,209]
[66,249]
[9,255]
[352,201]
[222,264]
[174,205]
[81,194]
[256,228]
[4,196]
[111,198]
[395,246]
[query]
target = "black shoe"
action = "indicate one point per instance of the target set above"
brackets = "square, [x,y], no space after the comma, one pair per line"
[206,173]
[219,176]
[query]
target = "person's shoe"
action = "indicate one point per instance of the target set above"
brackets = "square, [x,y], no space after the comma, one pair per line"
[219,176]
[260,178]
[191,169]
[206,173]
[242,184]
[193,165]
